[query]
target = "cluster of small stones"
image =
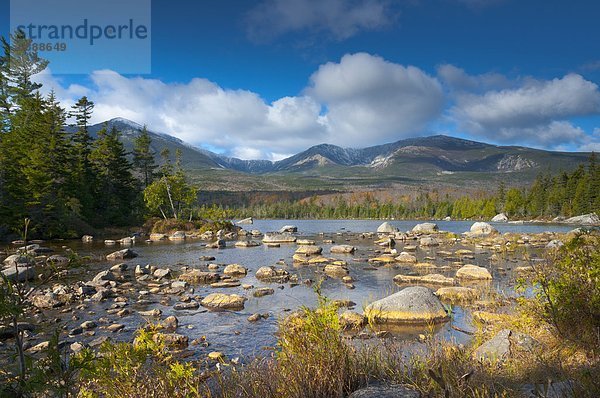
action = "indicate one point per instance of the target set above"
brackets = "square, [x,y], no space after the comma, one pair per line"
[437,272]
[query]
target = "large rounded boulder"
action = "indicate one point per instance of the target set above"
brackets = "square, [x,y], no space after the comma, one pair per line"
[482,229]
[386,228]
[413,305]
[425,228]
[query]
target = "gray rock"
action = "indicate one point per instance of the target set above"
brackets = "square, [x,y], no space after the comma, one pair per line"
[235,270]
[18,260]
[425,228]
[500,218]
[19,274]
[162,273]
[412,305]
[263,291]
[428,241]
[554,244]
[45,301]
[195,277]
[586,219]
[246,221]
[386,228]
[343,249]
[119,267]
[278,238]
[504,344]
[57,260]
[288,228]
[103,276]
[170,323]
[121,255]
[87,238]
[482,229]
[179,235]
[385,391]
[271,274]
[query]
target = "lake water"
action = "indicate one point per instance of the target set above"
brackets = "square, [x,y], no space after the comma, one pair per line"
[231,332]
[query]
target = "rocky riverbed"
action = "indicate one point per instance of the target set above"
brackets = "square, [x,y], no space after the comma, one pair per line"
[224,294]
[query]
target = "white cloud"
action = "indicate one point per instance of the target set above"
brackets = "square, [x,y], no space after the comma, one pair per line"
[370,100]
[339,19]
[362,100]
[536,112]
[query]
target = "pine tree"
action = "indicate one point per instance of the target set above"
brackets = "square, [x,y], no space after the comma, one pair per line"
[83,176]
[21,64]
[143,157]
[115,190]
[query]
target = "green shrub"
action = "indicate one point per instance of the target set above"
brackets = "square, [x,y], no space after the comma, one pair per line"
[568,291]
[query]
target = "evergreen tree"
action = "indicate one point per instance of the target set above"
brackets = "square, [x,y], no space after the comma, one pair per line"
[83,175]
[143,157]
[115,190]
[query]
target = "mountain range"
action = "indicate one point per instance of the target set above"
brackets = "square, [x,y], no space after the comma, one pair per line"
[440,160]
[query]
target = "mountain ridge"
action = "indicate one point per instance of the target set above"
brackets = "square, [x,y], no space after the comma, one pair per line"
[438,159]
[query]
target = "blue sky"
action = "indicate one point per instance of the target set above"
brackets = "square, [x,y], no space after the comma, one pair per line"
[264,79]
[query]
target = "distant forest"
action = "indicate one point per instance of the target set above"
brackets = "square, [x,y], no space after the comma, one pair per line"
[565,194]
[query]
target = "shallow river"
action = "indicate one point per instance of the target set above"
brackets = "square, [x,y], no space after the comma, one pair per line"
[231,332]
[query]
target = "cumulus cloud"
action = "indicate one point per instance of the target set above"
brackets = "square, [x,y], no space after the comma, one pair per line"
[362,100]
[371,100]
[340,19]
[359,101]
[537,112]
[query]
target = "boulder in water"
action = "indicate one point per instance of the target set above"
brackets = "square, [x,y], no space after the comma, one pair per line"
[413,305]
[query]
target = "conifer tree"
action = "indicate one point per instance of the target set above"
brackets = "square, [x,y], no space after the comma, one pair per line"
[143,157]
[115,190]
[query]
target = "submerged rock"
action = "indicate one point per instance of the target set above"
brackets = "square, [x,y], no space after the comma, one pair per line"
[309,250]
[457,294]
[246,243]
[413,305]
[335,270]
